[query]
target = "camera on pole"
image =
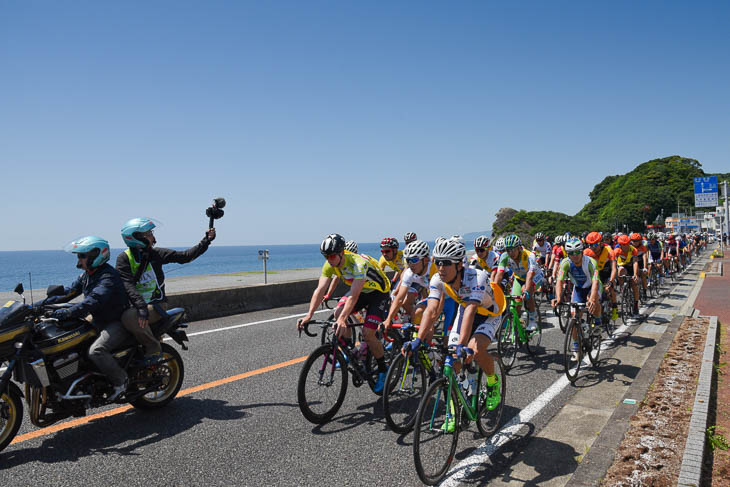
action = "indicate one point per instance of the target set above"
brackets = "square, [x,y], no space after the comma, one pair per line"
[215,211]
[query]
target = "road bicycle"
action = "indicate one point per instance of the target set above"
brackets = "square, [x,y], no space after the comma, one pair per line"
[512,333]
[323,380]
[408,377]
[626,299]
[446,408]
[588,337]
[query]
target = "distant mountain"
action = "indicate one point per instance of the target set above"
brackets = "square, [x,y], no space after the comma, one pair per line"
[652,189]
[469,237]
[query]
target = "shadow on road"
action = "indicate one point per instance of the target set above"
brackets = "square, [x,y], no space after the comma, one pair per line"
[141,428]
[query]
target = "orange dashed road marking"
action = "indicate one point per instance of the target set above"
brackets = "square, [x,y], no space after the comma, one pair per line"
[113,412]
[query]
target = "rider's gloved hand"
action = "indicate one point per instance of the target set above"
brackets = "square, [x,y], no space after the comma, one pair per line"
[526,294]
[60,314]
[412,346]
[463,350]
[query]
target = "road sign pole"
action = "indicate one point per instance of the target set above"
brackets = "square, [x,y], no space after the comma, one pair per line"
[727,220]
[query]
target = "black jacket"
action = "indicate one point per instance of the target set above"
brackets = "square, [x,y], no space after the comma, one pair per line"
[157,257]
[105,298]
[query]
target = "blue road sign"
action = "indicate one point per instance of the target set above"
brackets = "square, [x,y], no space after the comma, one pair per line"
[706,191]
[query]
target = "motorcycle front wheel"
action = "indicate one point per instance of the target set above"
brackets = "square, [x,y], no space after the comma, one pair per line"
[171,372]
[11,415]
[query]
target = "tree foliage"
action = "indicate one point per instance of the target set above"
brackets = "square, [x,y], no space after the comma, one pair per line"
[620,202]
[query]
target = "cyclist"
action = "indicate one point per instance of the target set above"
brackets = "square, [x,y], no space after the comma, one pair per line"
[526,272]
[583,272]
[655,251]
[409,237]
[541,248]
[413,290]
[369,288]
[391,257]
[484,258]
[603,255]
[641,253]
[557,255]
[350,246]
[673,251]
[628,266]
[480,305]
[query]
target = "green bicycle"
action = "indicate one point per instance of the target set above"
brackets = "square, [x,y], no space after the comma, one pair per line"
[512,333]
[440,418]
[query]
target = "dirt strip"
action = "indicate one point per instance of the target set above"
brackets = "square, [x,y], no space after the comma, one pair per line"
[651,451]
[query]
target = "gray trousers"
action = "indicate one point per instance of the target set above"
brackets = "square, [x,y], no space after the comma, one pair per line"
[110,338]
[144,335]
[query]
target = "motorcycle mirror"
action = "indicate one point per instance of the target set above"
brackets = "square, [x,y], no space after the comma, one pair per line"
[55,290]
[19,288]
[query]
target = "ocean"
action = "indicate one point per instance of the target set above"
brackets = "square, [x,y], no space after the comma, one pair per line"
[58,267]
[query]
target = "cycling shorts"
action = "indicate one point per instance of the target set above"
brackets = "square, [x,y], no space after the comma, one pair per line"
[483,325]
[375,303]
[580,294]
[604,275]
[629,269]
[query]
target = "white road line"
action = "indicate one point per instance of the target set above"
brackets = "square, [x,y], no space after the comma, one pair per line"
[243,325]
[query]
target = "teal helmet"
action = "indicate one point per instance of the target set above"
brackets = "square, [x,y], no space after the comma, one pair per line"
[132,230]
[96,247]
[512,241]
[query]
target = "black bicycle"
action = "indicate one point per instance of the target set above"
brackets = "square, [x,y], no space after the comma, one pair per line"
[588,337]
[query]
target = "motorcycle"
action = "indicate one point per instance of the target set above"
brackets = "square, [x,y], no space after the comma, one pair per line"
[50,358]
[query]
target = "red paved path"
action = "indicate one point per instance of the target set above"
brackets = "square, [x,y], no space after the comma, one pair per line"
[714,297]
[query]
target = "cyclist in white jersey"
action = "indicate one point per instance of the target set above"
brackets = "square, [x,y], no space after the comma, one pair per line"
[413,288]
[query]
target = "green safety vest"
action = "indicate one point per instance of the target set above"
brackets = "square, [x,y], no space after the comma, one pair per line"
[146,285]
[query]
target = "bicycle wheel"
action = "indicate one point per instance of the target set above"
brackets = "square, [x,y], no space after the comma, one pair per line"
[405,385]
[321,388]
[534,338]
[572,367]
[594,344]
[627,304]
[606,313]
[488,419]
[563,316]
[507,342]
[433,445]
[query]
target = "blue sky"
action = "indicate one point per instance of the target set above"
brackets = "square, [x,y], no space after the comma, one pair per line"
[365,118]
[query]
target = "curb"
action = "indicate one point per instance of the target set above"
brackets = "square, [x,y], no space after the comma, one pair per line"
[691,471]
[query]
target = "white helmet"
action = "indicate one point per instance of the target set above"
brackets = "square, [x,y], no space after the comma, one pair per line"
[481,241]
[417,248]
[351,246]
[559,240]
[574,244]
[458,238]
[499,244]
[450,249]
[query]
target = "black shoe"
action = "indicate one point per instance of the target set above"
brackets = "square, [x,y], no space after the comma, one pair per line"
[118,391]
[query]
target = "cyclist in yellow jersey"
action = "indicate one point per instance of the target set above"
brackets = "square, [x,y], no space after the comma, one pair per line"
[391,257]
[627,263]
[369,289]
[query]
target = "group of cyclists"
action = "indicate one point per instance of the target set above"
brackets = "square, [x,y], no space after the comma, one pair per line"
[464,295]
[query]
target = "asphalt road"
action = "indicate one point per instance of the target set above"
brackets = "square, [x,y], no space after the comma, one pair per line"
[249,430]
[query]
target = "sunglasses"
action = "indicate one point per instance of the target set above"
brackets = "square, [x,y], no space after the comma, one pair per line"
[480,250]
[330,256]
[594,244]
[575,252]
[413,260]
[386,251]
[443,263]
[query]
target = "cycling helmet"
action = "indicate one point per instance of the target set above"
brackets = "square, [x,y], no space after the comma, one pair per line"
[389,243]
[499,244]
[651,236]
[96,247]
[450,249]
[351,246]
[635,236]
[593,237]
[409,237]
[566,237]
[439,239]
[512,241]
[132,232]
[417,248]
[482,241]
[624,240]
[334,243]
[539,236]
[559,240]
[458,238]
[574,244]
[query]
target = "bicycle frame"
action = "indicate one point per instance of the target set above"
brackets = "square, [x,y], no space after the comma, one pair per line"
[471,410]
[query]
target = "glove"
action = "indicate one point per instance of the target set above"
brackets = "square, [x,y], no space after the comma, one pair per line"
[464,350]
[60,314]
[527,296]
[412,346]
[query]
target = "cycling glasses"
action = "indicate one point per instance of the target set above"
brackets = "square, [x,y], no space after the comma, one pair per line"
[386,251]
[480,249]
[412,260]
[443,263]
[575,252]
[594,244]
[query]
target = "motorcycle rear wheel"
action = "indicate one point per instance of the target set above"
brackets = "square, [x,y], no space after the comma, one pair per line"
[174,372]
[11,415]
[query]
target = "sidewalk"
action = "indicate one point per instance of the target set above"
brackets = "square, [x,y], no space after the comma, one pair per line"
[714,297]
